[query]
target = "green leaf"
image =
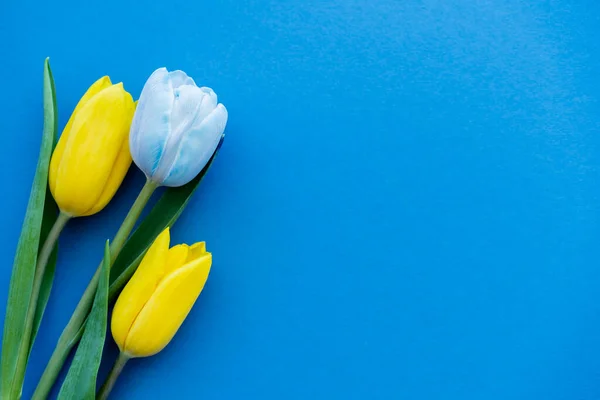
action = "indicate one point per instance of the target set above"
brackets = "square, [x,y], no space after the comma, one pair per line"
[80,383]
[50,215]
[48,220]
[163,215]
[21,280]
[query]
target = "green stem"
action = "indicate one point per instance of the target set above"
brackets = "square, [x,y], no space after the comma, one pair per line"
[73,331]
[42,263]
[109,383]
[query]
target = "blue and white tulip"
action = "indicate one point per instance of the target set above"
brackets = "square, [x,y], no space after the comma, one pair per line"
[176,128]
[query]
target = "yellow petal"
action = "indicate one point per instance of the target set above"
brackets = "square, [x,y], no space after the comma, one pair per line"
[93,145]
[120,168]
[96,87]
[140,288]
[176,258]
[196,250]
[168,307]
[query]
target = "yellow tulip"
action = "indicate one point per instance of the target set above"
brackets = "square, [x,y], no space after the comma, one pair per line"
[159,296]
[92,155]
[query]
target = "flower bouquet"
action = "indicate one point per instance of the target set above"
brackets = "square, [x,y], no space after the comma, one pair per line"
[172,133]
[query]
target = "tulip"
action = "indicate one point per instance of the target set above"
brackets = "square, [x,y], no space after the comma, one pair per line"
[92,155]
[176,128]
[156,301]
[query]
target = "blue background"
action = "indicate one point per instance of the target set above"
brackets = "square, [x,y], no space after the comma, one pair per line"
[406,205]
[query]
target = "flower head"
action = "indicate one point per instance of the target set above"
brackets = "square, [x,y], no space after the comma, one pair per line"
[176,128]
[159,296]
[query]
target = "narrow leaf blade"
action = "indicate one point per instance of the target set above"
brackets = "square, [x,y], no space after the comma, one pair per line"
[27,249]
[48,220]
[50,215]
[80,383]
[166,211]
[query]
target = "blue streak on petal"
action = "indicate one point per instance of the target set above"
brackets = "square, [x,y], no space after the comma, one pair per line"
[185,114]
[151,126]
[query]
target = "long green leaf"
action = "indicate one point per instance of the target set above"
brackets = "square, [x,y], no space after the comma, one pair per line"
[48,220]
[21,280]
[166,211]
[80,383]
[50,215]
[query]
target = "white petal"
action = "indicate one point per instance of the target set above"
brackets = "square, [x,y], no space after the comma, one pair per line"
[151,125]
[190,106]
[180,78]
[186,105]
[209,102]
[196,147]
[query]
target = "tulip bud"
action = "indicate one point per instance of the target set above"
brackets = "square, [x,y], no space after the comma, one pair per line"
[159,296]
[176,128]
[92,154]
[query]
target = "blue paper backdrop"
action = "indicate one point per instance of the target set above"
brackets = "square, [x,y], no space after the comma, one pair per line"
[405,207]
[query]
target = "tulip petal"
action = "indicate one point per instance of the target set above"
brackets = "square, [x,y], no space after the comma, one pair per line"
[197,250]
[196,147]
[180,78]
[168,307]
[57,155]
[140,288]
[119,170]
[191,105]
[93,145]
[176,257]
[186,105]
[209,103]
[151,123]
